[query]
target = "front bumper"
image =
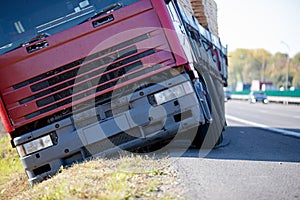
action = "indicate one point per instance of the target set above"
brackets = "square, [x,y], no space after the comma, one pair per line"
[132,124]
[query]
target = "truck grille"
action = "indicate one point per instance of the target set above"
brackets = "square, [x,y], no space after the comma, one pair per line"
[94,76]
[102,69]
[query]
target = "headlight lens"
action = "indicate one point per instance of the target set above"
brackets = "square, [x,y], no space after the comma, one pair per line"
[35,145]
[173,93]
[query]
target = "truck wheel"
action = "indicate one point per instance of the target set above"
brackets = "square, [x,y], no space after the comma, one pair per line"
[200,136]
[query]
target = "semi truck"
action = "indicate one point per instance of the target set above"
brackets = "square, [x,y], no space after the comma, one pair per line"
[87,78]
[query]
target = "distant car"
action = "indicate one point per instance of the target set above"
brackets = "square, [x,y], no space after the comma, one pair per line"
[258,96]
[227,95]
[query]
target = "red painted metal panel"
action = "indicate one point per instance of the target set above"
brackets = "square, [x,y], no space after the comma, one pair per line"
[167,23]
[25,109]
[157,42]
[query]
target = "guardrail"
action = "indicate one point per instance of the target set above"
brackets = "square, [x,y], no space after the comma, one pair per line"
[277,99]
[284,100]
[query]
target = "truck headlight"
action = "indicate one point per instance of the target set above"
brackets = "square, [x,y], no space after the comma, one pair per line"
[173,93]
[35,145]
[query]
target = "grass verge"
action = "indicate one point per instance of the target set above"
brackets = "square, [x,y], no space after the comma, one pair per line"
[12,177]
[129,177]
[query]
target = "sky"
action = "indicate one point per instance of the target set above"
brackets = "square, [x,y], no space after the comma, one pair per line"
[273,25]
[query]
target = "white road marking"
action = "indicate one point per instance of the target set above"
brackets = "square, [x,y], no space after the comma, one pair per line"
[277,130]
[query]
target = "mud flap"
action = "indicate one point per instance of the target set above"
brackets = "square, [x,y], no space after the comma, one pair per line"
[204,104]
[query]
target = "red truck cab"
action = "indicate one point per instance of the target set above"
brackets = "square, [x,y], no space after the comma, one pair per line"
[81,79]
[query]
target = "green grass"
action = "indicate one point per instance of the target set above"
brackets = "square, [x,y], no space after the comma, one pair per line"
[129,177]
[9,160]
[12,176]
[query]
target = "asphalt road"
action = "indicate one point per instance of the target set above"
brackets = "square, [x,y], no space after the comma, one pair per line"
[273,115]
[256,160]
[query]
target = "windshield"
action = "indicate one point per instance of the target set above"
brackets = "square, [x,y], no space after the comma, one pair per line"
[23,20]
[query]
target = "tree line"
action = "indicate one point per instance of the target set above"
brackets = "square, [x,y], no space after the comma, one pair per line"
[246,65]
